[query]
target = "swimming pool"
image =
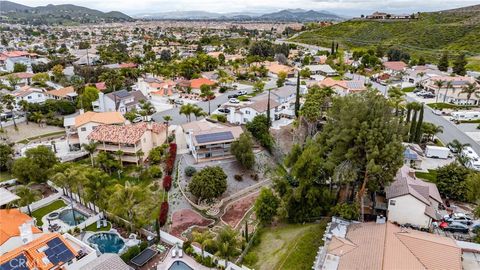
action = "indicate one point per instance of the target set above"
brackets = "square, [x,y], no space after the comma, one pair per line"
[179,265]
[67,217]
[107,242]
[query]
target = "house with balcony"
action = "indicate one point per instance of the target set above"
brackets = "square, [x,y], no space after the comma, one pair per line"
[29,94]
[120,101]
[134,141]
[66,93]
[210,141]
[79,127]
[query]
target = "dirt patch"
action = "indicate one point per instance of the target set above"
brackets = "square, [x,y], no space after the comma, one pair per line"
[184,219]
[235,211]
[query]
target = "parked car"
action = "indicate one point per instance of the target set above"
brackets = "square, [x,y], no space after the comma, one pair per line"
[137,119]
[476,227]
[463,220]
[232,96]
[179,102]
[428,95]
[224,110]
[234,100]
[456,227]
[241,92]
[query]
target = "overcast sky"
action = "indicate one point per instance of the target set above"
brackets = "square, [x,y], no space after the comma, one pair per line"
[341,7]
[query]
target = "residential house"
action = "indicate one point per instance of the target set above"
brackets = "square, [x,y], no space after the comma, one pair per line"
[66,93]
[10,63]
[411,200]
[13,228]
[24,78]
[121,101]
[420,74]
[207,140]
[412,156]
[394,67]
[49,251]
[244,113]
[78,128]
[452,93]
[155,88]
[343,87]
[29,94]
[195,84]
[385,246]
[325,70]
[134,141]
[275,68]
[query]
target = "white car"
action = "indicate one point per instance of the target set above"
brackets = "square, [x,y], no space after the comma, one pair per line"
[242,92]
[234,100]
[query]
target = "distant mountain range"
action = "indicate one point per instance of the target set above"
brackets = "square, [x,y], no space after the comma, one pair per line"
[291,15]
[56,14]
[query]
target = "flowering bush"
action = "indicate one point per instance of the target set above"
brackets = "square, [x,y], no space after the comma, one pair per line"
[162,219]
[167,182]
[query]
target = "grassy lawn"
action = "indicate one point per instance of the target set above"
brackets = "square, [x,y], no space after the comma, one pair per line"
[4,176]
[439,105]
[431,176]
[41,136]
[93,228]
[292,246]
[408,89]
[470,121]
[41,212]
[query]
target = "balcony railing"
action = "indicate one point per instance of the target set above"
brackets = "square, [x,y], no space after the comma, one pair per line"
[112,147]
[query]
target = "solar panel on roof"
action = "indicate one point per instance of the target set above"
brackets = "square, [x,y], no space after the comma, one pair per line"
[58,251]
[17,263]
[122,93]
[143,257]
[54,242]
[213,137]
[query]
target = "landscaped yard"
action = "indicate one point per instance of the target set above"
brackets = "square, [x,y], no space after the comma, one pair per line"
[409,89]
[292,246]
[439,106]
[93,227]
[41,212]
[431,176]
[4,176]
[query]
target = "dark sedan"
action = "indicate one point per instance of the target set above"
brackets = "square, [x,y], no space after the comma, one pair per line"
[456,227]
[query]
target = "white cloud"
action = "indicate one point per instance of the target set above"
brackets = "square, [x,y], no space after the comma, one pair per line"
[352,7]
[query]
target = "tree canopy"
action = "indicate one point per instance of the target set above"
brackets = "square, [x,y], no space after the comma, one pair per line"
[209,183]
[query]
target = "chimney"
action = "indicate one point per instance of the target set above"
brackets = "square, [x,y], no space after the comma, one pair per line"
[82,111]
[26,233]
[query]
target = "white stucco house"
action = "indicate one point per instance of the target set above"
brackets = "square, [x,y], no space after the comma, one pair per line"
[121,101]
[244,113]
[411,200]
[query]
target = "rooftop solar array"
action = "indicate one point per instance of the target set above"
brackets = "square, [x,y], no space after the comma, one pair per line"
[17,263]
[214,137]
[122,93]
[58,252]
[143,257]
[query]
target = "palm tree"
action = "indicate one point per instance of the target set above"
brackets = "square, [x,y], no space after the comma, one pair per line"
[206,92]
[447,86]
[139,155]
[457,147]
[167,119]
[430,130]
[119,154]
[198,112]
[27,196]
[9,102]
[187,110]
[24,104]
[147,107]
[112,79]
[90,148]
[469,89]
[396,97]
[38,117]
[227,244]
[203,238]
[95,188]
[439,84]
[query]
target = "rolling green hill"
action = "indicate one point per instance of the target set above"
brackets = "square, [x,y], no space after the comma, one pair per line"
[56,14]
[432,33]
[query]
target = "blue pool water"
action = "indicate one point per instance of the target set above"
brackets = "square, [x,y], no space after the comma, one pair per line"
[107,242]
[179,265]
[67,217]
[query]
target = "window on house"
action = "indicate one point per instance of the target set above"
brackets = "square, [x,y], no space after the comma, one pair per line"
[83,129]
[29,97]
[247,112]
[392,202]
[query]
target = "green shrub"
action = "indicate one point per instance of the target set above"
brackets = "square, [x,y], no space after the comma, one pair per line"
[130,253]
[346,211]
[238,177]
[190,171]
[221,118]
[250,259]
[155,172]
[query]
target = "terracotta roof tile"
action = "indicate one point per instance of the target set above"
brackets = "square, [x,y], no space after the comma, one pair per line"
[10,221]
[105,118]
[62,92]
[129,134]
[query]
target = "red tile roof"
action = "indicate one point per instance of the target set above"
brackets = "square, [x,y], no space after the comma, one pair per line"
[10,221]
[197,83]
[129,134]
[395,65]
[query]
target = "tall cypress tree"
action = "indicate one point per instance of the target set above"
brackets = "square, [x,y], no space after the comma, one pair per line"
[413,126]
[297,96]
[332,50]
[269,121]
[336,48]
[409,112]
[418,132]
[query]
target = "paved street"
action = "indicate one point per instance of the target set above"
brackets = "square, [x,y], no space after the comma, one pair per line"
[179,119]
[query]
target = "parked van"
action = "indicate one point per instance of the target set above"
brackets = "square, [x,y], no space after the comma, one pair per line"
[473,161]
[465,116]
[437,152]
